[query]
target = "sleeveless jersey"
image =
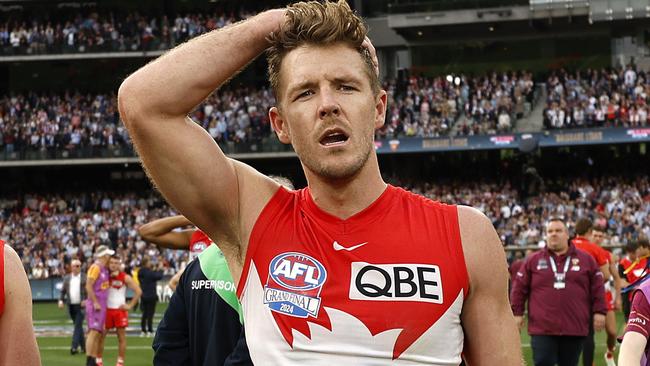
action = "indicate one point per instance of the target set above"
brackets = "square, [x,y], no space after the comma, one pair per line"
[198,242]
[101,285]
[117,291]
[601,255]
[383,287]
[2,277]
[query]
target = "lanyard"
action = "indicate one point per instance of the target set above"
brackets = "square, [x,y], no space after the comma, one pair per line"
[560,277]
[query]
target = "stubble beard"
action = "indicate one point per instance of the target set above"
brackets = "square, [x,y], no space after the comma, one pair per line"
[336,171]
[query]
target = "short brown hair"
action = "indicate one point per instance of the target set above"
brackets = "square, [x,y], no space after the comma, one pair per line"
[318,23]
[600,228]
[583,226]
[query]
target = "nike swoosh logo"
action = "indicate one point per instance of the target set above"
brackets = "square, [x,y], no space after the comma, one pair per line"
[339,247]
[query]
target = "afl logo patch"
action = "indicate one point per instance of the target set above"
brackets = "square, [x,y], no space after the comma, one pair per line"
[294,284]
[199,246]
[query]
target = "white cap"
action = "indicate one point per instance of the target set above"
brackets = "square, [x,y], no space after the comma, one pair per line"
[103,250]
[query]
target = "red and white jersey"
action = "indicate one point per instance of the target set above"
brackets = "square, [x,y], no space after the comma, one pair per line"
[116,291]
[383,287]
[198,242]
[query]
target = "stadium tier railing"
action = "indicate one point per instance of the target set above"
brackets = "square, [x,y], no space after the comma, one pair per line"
[266,145]
[270,147]
[412,6]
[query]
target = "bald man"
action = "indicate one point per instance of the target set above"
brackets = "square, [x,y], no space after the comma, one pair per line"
[73,293]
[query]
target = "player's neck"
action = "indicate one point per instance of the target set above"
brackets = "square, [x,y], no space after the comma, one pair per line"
[345,198]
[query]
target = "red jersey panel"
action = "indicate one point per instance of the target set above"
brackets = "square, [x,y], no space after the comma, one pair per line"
[635,270]
[601,255]
[383,286]
[198,242]
[2,277]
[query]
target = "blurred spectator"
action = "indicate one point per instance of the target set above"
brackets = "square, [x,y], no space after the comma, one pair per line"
[148,277]
[49,231]
[74,122]
[106,32]
[54,229]
[597,98]
[430,106]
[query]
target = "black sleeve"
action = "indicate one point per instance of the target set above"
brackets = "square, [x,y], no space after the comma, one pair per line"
[239,355]
[171,343]
[64,290]
[157,275]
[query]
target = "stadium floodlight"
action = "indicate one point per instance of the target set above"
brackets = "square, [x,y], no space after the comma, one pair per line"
[450,78]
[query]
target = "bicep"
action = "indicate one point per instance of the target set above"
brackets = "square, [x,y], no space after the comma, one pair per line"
[17,340]
[486,310]
[214,192]
[188,168]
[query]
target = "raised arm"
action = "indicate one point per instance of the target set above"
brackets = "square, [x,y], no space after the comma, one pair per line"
[486,311]
[161,232]
[219,195]
[17,340]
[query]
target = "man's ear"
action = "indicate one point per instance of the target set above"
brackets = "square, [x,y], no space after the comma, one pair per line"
[380,109]
[279,125]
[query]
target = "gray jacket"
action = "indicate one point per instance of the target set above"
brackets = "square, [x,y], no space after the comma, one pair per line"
[65,290]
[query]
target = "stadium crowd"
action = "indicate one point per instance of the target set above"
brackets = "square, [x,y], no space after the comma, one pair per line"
[621,205]
[430,106]
[70,121]
[106,32]
[50,230]
[423,107]
[597,98]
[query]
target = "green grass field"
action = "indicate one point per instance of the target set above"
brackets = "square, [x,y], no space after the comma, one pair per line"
[55,350]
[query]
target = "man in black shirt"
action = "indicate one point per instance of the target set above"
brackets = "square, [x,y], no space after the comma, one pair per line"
[202,325]
[148,279]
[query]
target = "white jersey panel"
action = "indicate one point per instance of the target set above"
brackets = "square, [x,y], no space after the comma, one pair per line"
[349,342]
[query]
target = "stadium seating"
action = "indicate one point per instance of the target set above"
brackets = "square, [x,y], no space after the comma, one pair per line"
[48,230]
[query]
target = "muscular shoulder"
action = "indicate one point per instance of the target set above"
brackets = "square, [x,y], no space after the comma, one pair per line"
[482,247]
[477,232]
[12,262]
